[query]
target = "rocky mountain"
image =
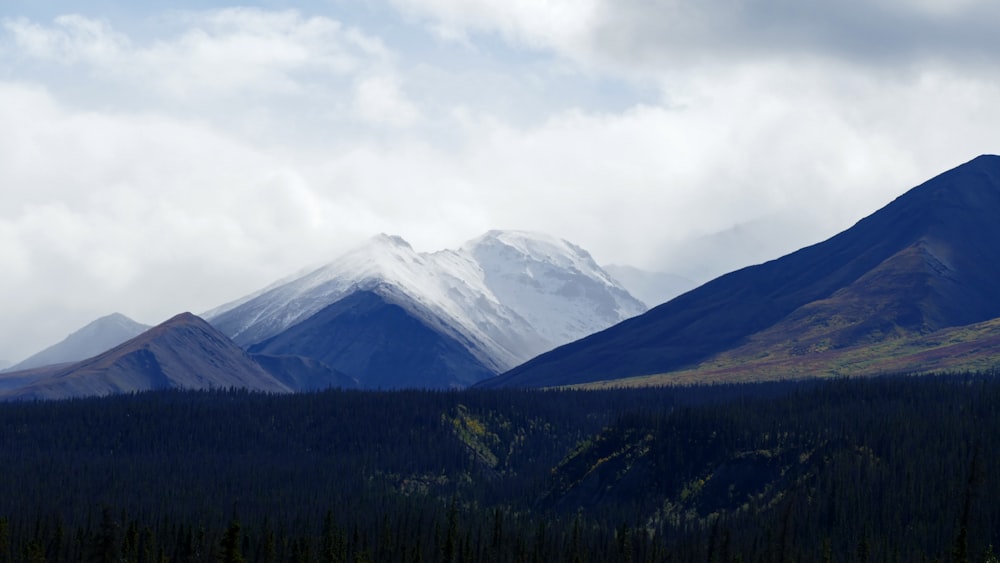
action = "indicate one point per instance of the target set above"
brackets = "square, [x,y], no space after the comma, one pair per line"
[913,279]
[446,284]
[100,335]
[652,288]
[184,352]
[446,318]
[381,336]
[553,284]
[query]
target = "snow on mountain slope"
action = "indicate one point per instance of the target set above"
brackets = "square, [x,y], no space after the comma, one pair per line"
[445,284]
[553,283]
[509,296]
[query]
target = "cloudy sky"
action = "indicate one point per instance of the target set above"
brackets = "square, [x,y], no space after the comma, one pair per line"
[157,157]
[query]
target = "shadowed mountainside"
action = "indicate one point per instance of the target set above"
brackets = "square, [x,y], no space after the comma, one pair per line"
[929,260]
[381,343]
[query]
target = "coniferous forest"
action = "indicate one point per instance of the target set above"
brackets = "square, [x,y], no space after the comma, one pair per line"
[894,468]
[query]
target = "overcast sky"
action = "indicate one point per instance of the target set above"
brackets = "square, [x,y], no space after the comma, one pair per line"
[159,157]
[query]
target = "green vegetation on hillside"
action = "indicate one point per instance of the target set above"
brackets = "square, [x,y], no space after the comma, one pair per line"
[974,347]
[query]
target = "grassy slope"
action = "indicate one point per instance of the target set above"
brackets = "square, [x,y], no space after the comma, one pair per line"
[971,347]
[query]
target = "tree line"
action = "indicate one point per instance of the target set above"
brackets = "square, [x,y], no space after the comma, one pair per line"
[896,468]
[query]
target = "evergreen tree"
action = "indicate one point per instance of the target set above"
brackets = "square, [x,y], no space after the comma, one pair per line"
[106,544]
[230,544]
[4,540]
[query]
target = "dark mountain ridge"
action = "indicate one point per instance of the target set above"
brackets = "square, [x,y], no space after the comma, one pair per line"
[928,260]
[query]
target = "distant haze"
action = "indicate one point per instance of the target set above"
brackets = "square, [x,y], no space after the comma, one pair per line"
[98,336]
[652,288]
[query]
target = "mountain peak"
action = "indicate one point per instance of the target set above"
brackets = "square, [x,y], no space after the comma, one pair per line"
[184,318]
[504,297]
[382,256]
[116,316]
[96,337]
[521,249]
[564,282]
[180,322]
[511,235]
[390,240]
[530,243]
[986,159]
[114,319]
[979,175]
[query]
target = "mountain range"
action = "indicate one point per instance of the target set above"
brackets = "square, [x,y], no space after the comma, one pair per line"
[393,317]
[912,287]
[185,352]
[381,316]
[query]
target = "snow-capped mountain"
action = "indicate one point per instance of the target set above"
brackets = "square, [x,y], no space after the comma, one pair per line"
[446,285]
[505,296]
[553,284]
[98,336]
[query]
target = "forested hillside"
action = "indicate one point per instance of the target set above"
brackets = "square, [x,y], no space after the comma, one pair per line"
[888,469]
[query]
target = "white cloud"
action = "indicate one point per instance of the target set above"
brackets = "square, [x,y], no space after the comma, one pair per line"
[103,203]
[71,39]
[555,24]
[380,100]
[155,173]
[235,50]
[649,36]
[264,73]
